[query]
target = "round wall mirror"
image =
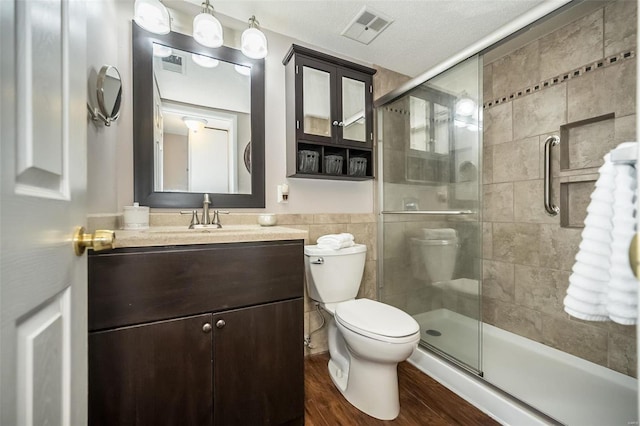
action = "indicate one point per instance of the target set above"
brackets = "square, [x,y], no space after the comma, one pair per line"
[109,93]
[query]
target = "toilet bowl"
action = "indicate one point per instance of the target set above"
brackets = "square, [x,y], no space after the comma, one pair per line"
[433,254]
[366,338]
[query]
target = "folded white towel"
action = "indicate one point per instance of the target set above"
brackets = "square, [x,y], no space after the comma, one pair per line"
[336,241]
[602,285]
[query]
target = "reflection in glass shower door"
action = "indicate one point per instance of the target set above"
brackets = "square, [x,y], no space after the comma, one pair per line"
[431,230]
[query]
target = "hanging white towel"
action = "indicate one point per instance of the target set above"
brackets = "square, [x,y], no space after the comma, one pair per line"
[601,285]
[336,241]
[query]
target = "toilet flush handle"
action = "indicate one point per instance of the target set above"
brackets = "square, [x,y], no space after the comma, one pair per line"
[318,261]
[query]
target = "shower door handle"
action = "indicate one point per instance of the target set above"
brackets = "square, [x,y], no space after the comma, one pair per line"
[551,208]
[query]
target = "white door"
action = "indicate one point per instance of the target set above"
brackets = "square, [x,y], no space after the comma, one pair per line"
[43,285]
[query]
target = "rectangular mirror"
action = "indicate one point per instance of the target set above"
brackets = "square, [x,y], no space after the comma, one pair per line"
[198,123]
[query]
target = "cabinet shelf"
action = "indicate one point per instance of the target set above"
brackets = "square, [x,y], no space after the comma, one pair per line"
[329,117]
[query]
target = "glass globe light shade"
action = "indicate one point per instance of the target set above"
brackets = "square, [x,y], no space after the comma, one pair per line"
[465,107]
[207,30]
[161,51]
[204,61]
[254,43]
[240,69]
[153,16]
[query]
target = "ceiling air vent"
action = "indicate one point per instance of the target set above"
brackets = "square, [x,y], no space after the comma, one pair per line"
[366,25]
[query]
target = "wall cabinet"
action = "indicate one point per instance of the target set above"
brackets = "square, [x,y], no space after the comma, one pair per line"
[329,116]
[192,335]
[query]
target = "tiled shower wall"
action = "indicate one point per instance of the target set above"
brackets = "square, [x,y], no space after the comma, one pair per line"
[584,70]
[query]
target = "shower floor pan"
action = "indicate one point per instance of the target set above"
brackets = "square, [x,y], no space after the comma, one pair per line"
[567,388]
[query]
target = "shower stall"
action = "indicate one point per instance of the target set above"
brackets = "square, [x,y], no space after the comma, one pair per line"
[465,245]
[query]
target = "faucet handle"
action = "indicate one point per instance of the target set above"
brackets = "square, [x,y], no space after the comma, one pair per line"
[194,217]
[216,218]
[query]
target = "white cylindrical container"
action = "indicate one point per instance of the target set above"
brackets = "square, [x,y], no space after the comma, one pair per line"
[136,217]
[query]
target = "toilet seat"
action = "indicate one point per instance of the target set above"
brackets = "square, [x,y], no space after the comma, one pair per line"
[377,321]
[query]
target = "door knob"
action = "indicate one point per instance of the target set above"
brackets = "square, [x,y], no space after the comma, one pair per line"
[100,240]
[220,323]
[634,260]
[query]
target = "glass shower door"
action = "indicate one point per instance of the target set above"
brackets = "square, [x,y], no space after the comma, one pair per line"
[430,152]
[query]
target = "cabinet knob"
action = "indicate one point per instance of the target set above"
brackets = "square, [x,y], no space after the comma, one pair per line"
[341,124]
[220,323]
[335,122]
[206,327]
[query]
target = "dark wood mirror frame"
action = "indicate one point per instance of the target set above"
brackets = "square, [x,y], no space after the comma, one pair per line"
[143,173]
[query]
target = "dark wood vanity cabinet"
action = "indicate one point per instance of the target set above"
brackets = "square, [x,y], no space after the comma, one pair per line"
[329,116]
[197,335]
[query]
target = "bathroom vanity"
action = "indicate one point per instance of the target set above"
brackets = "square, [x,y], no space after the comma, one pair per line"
[200,334]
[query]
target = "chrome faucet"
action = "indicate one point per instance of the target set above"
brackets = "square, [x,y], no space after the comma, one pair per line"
[205,210]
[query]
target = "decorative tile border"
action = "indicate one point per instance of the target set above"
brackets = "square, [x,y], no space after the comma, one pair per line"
[602,63]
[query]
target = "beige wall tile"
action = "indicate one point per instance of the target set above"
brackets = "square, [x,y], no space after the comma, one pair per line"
[541,289]
[394,166]
[498,280]
[622,354]
[295,219]
[487,83]
[625,129]
[331,218]
[540,112]
[396,243]
[620,87]
[517,243]
[528,202]
[517,160]
[589,143]
[587,96]
[498,202]
[487,240]
[363,218]
[579,194]
[572,46]
[620,22]
[517,70]
[519,320]
[316,231]
[487,164]
[498,124]
[579,339]
[558,246]
[385,80]
[365,233]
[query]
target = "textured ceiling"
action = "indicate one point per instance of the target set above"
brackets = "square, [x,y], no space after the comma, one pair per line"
[423,34]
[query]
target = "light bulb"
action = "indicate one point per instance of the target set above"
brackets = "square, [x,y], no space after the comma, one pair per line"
[207,30]
[204,61]
[240,69]
[153,16]
[161,51]
[465,107]
[194,124]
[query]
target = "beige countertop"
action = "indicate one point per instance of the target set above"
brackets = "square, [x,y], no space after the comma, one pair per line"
[180,235]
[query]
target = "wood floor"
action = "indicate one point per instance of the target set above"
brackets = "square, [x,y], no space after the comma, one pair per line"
[423,401]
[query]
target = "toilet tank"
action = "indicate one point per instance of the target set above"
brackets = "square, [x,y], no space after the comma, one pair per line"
[334,275]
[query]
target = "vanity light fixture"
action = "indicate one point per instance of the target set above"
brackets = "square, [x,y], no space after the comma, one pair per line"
[207,30]
[152,15]
[194,124]
[161,51]
[465,106]
[204,61]
[253,41]
[241,69]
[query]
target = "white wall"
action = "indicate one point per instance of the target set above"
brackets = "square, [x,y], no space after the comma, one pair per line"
[110,161]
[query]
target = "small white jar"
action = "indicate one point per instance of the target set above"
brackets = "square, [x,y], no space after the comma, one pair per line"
[267,219]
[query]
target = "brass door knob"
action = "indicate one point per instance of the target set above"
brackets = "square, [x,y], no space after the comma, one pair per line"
[100,240]
[634,260]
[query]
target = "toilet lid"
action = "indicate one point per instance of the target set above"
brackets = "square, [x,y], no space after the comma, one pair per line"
[375,319]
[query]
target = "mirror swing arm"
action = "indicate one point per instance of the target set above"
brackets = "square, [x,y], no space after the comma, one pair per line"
[102,113]
[143,123]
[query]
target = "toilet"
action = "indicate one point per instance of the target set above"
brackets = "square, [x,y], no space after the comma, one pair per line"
[367,339]
[434,253]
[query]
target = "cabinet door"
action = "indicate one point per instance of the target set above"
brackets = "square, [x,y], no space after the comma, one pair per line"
[355,115]
[258,365]
[155,374]
[316,106]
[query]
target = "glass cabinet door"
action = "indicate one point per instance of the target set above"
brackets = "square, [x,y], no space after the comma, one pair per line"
[354,115]
[316,103]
